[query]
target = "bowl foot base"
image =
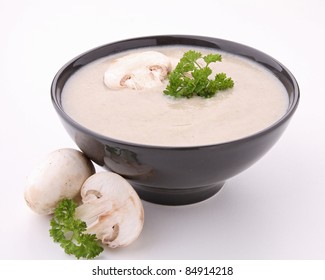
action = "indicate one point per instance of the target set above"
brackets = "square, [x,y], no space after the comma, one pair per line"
[176,196]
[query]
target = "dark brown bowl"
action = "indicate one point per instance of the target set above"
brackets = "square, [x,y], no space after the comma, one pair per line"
[175,175]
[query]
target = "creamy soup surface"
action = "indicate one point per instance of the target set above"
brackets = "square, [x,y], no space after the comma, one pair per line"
[148,116]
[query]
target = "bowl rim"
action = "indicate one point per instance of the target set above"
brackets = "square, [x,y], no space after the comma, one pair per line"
[292,106]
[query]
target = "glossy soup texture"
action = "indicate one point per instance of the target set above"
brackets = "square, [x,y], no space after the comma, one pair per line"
[257,100]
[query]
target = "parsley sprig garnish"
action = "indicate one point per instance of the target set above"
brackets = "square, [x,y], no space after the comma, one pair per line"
[70,232]
[190,78]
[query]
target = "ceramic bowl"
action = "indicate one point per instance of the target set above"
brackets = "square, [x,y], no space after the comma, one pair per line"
[175,175]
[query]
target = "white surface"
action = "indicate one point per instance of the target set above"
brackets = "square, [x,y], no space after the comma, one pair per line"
[274,210]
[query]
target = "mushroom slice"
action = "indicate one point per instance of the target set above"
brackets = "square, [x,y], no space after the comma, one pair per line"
[138,70]
[111,209]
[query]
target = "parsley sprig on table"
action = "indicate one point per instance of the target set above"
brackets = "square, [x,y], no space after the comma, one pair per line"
[190,78]
[70,232]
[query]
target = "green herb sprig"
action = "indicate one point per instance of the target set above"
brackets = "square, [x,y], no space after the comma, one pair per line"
[70,232]
[190,78]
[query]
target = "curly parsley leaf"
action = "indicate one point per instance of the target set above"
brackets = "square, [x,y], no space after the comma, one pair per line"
[190,78]
[70,232]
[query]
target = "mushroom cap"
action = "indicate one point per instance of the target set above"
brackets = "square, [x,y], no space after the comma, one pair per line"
[137,70]
[111,209]
[59,175]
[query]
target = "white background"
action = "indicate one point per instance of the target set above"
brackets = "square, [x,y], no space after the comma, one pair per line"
[274,210]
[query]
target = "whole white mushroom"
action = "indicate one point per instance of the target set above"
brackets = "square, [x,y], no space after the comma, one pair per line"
[111,209]
[60,175]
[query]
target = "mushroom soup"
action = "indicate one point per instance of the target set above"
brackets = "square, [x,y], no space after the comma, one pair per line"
[133,108]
